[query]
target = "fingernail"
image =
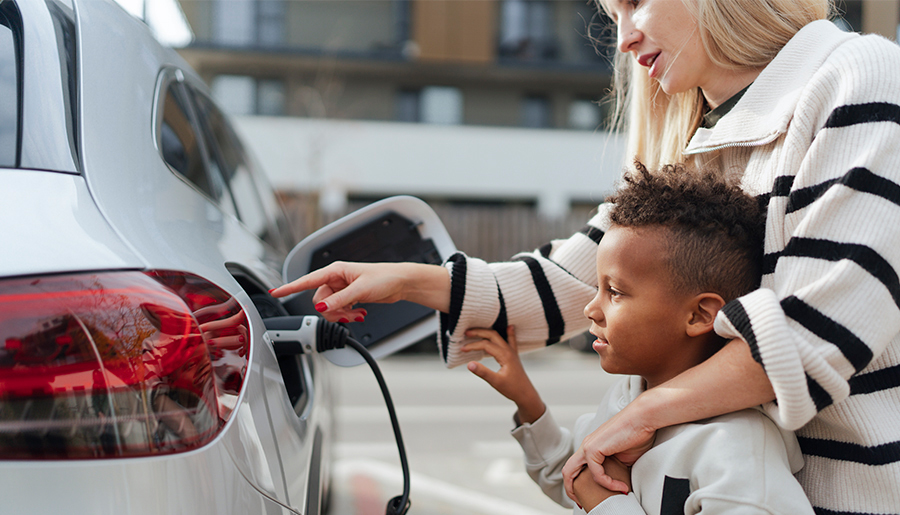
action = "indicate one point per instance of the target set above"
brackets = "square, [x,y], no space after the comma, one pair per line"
[273,289]
[320,307]
[360,319]
[344,321]
[364,312]
[241,339]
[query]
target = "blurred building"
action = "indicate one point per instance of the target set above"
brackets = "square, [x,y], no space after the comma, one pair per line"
[519,63]
[486,103]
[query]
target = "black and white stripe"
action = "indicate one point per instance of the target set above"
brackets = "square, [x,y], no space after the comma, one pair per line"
[556,325]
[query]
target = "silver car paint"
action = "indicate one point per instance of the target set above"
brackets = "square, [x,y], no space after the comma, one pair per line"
[135,212]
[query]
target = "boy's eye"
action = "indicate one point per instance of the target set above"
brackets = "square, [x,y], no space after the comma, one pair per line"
[613,292]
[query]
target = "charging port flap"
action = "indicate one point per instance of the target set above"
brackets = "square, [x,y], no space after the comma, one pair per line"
[396,229]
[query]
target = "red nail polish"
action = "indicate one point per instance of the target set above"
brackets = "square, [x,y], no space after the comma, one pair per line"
[364,312]
[273,289]
[344,321]
[241,339]
[360,319]
[320,307]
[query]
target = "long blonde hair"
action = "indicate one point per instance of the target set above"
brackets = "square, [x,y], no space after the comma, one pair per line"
[735,34]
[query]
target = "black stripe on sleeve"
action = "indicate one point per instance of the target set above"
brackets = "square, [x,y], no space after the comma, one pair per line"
[449,320]
[859,179]
[877,381]
[501,323]
[546,249]
[769,262]
[883,454]
[845,116]
[857,353]
[782,186]
[592,232]
[739,318]
[819,396]
[826,511]
[864,256]
[556,326]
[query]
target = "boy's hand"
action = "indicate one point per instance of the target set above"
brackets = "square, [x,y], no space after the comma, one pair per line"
[588,494]
[510,380]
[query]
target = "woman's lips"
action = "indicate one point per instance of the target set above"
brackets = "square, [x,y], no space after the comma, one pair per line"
[649,61]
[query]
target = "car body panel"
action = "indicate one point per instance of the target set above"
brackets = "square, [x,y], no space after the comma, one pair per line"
[114,204]
[64,230]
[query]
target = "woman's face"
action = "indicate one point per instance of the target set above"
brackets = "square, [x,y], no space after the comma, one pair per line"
[663,37]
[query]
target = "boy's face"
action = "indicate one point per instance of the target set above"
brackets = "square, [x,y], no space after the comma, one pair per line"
[637,317]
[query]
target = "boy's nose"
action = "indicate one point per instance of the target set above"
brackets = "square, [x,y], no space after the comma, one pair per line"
[592,311]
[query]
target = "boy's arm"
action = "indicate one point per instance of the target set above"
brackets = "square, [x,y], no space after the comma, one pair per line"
[510,380]
[589,494]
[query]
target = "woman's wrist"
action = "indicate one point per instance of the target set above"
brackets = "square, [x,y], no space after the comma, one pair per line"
[428,285]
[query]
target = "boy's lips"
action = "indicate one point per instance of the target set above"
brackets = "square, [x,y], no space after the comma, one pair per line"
[599,344]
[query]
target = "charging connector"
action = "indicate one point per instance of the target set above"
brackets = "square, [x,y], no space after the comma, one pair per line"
[292,335]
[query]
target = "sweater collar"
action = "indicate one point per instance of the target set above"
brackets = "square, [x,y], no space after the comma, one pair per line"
[766,109]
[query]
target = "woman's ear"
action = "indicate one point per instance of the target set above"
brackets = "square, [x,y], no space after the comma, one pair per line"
[704,308]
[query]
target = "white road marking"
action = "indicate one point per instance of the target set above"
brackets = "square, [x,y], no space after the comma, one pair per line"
[451,414]
[467,500]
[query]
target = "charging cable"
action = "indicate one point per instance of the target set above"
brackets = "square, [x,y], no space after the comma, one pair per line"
[292,335]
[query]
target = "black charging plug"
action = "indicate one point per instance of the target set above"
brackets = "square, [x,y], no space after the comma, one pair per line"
[292,335]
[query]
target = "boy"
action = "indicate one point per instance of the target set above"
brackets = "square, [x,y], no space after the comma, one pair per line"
[680,245]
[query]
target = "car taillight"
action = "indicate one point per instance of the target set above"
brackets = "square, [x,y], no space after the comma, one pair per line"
[116,364]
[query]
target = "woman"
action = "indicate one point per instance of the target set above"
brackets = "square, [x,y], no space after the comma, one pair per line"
[811,117]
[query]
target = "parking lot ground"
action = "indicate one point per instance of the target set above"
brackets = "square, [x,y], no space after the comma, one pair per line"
[456,433]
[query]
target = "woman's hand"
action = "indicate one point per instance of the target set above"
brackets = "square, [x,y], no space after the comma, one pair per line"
[623,436]
[341,285]
[510,380]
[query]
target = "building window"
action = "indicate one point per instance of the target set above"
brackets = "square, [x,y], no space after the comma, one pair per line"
[526,30]
[243,95]
[270,22]
[441,105]
[536,112]
[406,107]
[584,115]
[249,22]
[270,97]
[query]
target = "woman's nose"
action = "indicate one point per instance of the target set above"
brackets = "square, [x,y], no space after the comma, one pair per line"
[627,36]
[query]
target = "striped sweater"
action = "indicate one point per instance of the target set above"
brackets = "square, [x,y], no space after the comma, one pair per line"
[817,138]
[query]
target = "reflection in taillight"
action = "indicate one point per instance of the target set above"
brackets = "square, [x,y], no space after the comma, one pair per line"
[116,364]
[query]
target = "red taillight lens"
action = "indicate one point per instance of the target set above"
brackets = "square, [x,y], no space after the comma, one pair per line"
[116,364]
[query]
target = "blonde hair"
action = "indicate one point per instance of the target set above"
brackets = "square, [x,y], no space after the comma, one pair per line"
[735,34]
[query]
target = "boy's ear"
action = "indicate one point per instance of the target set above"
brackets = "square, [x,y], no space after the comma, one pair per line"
[704,307]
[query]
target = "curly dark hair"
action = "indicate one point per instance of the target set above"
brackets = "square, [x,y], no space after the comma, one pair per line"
[716,229]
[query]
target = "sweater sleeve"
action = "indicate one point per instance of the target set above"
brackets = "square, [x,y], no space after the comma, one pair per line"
[542,293]
[830,307]
[547,447]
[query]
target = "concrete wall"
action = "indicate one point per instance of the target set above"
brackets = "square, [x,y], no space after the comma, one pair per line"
[350,158]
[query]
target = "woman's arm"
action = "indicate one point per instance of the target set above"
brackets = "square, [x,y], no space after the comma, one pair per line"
[728,381]
[542,293]
[341,285]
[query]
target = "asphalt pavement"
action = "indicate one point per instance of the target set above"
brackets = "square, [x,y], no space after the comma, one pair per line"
[456,432]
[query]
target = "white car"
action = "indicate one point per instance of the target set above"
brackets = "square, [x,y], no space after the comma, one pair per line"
[137,246]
